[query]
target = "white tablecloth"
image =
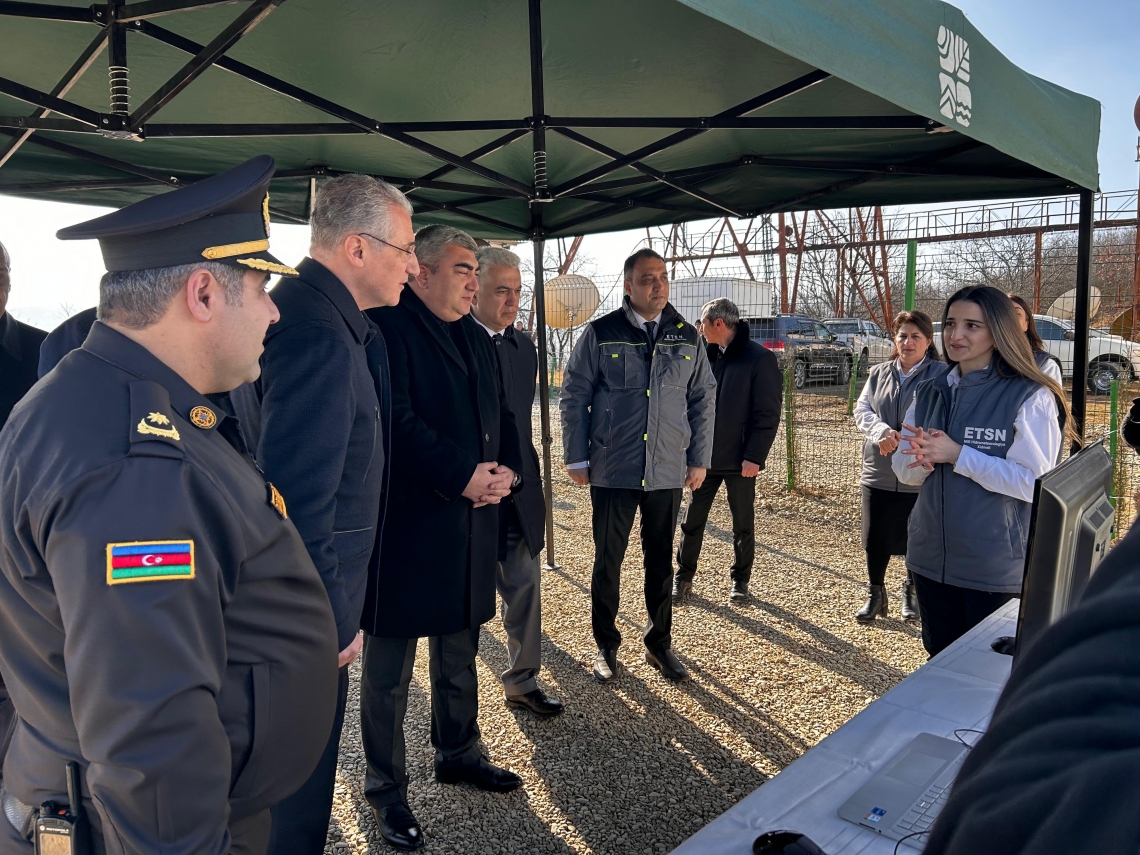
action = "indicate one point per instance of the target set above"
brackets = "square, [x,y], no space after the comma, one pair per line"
[956,689]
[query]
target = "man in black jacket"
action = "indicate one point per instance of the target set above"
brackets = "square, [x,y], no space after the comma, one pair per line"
[315,420]
[65,338]
[749,392]
[19,347]
[522,516]
[454,457]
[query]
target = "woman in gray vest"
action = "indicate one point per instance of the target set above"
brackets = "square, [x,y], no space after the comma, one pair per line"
[887,502]
[1040,355]
[976,440]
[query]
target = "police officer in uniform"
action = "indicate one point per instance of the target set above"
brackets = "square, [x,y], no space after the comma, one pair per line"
[161,622]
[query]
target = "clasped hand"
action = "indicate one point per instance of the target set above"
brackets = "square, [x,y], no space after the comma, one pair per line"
[930,447]
[490,483]
[889,443]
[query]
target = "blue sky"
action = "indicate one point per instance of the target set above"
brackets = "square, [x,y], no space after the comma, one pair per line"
[1089,46]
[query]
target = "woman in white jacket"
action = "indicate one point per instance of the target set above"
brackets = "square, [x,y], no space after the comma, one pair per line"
[887,502]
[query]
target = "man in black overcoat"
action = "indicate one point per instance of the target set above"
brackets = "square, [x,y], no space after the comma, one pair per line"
[316,421]
[19,352]
[749,393]
[65,338]
[19,347]
[522,516]
[454,457]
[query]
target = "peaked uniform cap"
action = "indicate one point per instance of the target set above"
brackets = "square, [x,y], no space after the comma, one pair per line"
[223,218]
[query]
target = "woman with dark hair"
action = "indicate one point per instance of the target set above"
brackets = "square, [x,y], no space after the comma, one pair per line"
[976,439]
[887,502]
[1025,318]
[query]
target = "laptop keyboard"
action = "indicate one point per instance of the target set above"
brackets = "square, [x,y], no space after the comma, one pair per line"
[922,815]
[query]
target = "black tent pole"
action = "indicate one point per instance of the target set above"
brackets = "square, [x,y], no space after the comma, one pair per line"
[1081,316]
[538,237]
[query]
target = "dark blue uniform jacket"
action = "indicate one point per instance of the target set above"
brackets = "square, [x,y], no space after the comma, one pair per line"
[160,620]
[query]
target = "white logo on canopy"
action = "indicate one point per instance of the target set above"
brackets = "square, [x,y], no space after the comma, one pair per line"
[954,57]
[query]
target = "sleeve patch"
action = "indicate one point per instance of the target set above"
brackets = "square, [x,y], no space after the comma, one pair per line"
[149,561]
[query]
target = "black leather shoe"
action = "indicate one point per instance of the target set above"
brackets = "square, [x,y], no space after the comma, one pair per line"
[682,587]
[606,665]
[538,702]
[876,605]
[910,601]
[667,663]
[398,825]
[739,591]
[484,774]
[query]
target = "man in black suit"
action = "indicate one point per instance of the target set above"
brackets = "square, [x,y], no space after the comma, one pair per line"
[19,347]
[314,417]
[65,338]
[749,392]
[19,350]
[522,516]
[454,457]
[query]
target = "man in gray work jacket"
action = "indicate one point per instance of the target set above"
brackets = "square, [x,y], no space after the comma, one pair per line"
[638,401]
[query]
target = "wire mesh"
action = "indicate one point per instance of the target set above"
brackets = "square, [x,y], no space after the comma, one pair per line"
[852,264]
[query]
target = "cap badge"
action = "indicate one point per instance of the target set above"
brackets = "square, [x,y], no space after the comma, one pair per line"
[203,417]
[153,425]
[265,213]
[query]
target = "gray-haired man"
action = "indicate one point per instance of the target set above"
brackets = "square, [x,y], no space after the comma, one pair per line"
[749,393]
[522,516]
[318,420]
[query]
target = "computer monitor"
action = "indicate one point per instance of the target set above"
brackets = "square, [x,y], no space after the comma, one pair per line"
[1069,535]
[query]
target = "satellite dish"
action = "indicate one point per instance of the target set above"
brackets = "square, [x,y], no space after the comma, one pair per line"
[1065,306]
[570,301]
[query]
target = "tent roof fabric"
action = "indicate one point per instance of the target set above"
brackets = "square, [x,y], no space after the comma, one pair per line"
[768,106]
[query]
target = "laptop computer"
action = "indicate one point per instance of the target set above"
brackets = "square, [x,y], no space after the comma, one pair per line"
[905,796]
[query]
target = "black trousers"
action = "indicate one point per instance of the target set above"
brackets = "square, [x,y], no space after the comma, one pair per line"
[301,822]
[613,510]
[386,675]
[948,612]
[741,504]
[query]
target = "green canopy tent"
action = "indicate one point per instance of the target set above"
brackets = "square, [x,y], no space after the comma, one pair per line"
[523,119]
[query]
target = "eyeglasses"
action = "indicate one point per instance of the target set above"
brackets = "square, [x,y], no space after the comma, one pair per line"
[411,251]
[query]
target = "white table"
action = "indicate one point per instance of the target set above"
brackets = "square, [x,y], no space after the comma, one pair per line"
[958,688]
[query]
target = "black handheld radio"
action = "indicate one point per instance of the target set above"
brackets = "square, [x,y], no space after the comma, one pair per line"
[63,830]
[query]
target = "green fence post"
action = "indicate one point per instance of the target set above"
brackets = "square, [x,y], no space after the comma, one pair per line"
[1113,442]
[911,271]
[851,391]
[790,422]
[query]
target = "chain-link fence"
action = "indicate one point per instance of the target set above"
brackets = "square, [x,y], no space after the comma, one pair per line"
[841,276]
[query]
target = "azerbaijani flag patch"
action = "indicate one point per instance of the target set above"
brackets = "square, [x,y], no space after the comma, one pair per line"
[149,561]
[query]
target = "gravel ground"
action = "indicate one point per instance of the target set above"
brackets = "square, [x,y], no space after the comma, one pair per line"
[639,765]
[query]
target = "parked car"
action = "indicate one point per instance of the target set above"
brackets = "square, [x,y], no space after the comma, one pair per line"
[866,338]
[1110,356]
[816,354]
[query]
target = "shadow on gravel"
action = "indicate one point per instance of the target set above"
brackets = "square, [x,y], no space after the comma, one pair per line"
[724,536]
[628,772]
[834,653]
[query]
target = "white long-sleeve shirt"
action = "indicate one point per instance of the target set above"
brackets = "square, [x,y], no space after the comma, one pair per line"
[1033,452]
[867,421]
